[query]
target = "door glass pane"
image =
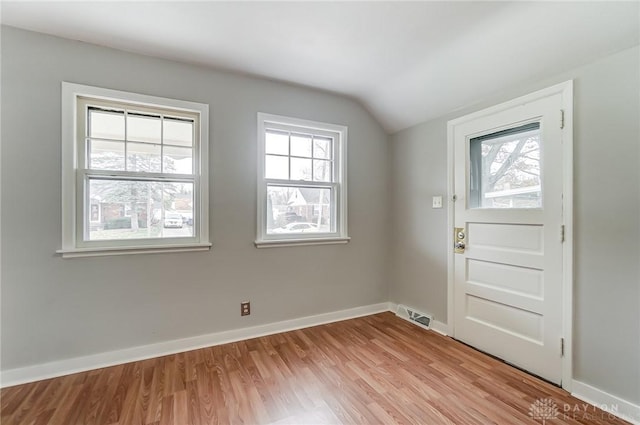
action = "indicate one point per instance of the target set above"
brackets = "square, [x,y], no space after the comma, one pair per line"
[296,209]
[505,169]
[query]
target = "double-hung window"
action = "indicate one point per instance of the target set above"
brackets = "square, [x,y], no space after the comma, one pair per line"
[134,175]
[302,193]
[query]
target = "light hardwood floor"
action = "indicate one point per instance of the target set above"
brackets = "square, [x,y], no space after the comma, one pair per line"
[371,370]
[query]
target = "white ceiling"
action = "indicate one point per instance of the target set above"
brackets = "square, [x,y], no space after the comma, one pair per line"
[407,62]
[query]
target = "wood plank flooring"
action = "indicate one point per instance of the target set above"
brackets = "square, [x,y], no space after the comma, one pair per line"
[372,370]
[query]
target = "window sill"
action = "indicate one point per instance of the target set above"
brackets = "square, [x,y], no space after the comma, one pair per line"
[299,242]
[107,251]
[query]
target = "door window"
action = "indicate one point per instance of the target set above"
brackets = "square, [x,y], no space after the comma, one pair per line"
[505,169]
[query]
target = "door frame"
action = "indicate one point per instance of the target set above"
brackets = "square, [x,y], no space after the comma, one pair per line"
[566,91]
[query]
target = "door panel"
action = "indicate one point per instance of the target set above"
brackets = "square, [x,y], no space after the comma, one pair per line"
[507,236]
[505,318]
[508,280]
[523,281]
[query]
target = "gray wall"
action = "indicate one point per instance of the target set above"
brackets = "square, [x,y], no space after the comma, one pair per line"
[607,219]
[54,309]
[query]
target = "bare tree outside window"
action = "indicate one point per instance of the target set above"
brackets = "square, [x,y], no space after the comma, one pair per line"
[505,169]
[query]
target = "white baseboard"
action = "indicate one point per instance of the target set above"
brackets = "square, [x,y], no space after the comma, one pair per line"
[441,328]
[38,372]
[609,403]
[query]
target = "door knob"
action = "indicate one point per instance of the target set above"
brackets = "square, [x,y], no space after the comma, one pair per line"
[460,246]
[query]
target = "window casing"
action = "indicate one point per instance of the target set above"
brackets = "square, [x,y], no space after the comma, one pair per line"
[302,191]
[132,164]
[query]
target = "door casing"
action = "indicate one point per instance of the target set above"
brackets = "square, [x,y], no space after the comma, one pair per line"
[566,91]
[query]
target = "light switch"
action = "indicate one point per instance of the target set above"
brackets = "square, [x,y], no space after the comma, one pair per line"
[437,202]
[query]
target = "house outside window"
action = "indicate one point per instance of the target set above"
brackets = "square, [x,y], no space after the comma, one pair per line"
[302,191]
[132,164]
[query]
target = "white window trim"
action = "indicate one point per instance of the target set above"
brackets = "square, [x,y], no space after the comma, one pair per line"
[340,151]
[71,199]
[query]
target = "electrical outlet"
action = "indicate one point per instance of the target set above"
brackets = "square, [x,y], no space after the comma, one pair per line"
[245,308]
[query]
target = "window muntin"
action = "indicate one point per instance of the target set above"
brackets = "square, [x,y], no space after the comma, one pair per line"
[302,192]
[129,140]
[505,169]
[295,156]
[137,163]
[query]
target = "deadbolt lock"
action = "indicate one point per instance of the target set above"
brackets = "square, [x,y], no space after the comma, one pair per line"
[459,240]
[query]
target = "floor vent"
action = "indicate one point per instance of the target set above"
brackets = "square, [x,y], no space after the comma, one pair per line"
[421,319]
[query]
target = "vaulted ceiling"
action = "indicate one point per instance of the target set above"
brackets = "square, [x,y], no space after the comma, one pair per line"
[407,62]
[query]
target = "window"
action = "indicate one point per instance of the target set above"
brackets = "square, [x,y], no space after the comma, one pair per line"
[505,169]
[134,175]
[302,193]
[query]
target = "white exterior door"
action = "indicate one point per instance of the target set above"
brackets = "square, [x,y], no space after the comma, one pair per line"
[508,215]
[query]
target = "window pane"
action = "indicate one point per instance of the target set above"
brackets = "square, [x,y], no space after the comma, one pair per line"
[143,128]
[177,160]
[143,157]
[321,170]
[276,142]
[303,210]
[505,169]
[122,209]
[300,169]
[177,132]
[301,145]
[276,167]
[322,147]
[178,202]
[106,125]
[106,155]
